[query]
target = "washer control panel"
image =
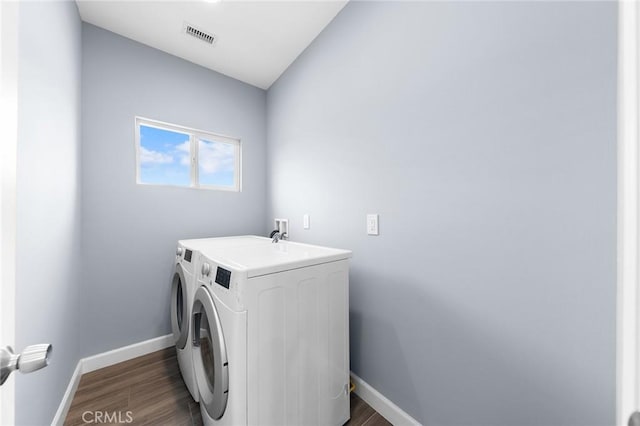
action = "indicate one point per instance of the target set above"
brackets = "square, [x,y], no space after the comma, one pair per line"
[223,277]
[224,283]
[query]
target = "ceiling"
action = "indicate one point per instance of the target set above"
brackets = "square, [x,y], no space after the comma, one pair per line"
[255,41]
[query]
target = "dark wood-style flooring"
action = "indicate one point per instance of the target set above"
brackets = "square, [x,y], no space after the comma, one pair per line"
[148,390]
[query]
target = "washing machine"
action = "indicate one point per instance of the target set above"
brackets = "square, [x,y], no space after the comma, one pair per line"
[271,335]
[182,293]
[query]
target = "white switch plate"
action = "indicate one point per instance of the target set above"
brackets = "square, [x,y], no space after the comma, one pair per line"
[372,224]
[305,221]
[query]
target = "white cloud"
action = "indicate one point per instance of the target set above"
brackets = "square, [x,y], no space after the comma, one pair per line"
[184,151]
[215,157]
[148,156]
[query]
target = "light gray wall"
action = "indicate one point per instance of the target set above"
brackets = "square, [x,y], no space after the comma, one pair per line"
[484,134]
[48,201]
[130,231]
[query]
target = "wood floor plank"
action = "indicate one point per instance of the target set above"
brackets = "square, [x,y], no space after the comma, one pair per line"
[165,391]
[360,411]
[196,416]
[134,362]
[89,401]
[82,413]
[122,375]
[163,412]
[151,389]
[377,420]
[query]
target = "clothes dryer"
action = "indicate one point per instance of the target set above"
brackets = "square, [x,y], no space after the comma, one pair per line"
[182,292]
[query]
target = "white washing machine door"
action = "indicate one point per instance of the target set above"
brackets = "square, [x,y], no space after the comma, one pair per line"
[179,308]
[210,361]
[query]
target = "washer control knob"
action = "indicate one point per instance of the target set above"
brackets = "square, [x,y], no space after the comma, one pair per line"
[179,251]
[206,269]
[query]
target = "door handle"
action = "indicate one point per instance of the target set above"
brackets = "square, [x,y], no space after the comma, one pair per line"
[196,329]
[31,359]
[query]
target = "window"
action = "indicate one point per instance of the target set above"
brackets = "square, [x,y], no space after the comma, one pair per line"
[174,155]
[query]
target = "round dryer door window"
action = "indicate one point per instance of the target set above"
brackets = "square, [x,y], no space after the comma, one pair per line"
[209,355]
[179,308]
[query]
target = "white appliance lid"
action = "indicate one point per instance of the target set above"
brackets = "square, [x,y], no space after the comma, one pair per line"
[262,259]
[212,243]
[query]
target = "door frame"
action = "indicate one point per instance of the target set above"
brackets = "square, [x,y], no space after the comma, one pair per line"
[628,245]
[8,156]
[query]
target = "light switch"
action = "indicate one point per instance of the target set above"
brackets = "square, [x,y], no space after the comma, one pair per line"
[305,221]
[372,224]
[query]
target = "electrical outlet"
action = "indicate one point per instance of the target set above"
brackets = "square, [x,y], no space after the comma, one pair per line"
[305,221]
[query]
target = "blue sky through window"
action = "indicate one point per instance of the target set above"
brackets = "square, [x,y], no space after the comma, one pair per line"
[164,157]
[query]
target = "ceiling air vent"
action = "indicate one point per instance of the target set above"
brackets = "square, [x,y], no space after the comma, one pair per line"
[199,34]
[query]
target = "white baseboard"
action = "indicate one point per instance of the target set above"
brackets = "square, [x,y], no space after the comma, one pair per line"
[63,408]
[381,404]
[105,359]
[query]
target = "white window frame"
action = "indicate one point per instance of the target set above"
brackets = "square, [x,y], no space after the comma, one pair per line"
[195,135]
